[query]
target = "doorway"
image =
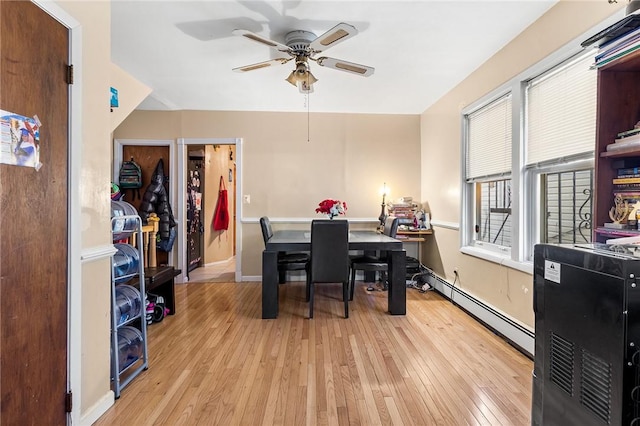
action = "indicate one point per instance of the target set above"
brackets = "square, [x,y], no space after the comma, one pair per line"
[178,154]
[210,248]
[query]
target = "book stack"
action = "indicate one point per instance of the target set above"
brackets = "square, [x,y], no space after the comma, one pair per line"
[626,139]
[624,40]
[627,184]
[405,212]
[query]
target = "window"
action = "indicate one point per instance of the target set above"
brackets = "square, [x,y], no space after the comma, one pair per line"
[528,165]
[487,173]
[493,224]
[560,137]
[566,207]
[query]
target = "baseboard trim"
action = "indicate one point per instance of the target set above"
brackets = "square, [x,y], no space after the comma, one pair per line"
[251,278]
[98,409]
[514,333]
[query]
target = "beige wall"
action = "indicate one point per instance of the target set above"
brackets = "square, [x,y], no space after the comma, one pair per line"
[218,244]
[131,92]
[95,175]
[348,157]
[508,290]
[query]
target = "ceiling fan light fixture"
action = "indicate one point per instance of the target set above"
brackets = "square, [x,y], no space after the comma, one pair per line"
[293,79]
[310,78]
[302,75]
[305,87]
[302,46]
[296,77]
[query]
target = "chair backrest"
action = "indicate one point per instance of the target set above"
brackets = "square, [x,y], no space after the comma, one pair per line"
[391,226]
[267,232]
[329,251]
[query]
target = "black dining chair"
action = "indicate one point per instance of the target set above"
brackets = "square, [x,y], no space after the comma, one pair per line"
[329,258]
[287,261]
[373,263]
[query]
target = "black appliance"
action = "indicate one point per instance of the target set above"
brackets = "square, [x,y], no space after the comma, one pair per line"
[587,325]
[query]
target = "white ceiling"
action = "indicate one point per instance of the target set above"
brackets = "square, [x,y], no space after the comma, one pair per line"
[420,49]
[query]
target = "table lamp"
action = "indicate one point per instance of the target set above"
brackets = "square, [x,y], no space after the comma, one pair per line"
[383,215]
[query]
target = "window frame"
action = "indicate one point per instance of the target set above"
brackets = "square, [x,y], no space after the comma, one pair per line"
[468,243]
[524,181]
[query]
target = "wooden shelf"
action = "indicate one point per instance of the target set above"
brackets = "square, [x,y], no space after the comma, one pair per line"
[603,234]
[618,110]
[413,236]
[625,152]
[416,232]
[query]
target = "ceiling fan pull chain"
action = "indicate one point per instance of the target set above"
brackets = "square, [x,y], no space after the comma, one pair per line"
[306,100]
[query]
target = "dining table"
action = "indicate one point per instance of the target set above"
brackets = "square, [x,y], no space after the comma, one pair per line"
[367,241]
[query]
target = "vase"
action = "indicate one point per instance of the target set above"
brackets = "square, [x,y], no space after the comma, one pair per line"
[331,216]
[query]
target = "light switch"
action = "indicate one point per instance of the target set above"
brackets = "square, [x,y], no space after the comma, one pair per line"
[247,199]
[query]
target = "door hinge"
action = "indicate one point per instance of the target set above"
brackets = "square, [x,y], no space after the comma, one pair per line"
[69,74]
[68,402]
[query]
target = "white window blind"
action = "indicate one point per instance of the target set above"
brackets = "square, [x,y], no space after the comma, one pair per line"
[489,140]
[561,113]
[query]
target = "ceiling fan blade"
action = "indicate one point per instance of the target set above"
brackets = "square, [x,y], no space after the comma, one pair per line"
[265,64]
[255,37]
[335,35]
[339,64]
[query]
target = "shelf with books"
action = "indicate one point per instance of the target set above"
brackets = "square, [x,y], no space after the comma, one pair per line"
[626,141]
[629,151]
[620,42]
[618,113]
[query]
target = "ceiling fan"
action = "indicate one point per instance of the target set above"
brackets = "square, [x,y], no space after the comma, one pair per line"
[304,46]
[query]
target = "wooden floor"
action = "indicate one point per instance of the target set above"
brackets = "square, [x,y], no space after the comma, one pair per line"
[218,363]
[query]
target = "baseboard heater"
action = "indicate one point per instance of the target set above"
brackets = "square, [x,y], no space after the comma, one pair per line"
[515,334]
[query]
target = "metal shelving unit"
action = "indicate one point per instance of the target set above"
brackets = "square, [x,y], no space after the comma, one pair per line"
[136,358]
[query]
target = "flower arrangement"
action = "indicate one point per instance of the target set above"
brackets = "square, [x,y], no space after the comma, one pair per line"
[332,208]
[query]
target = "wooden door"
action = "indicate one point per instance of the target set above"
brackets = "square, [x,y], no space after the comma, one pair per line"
[33,221]
[147,158]
[195,213]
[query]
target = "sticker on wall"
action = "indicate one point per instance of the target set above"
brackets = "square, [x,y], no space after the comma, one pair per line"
[114,97]
[20,140]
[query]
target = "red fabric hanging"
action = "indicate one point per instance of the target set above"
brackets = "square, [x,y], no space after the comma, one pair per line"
[221,214]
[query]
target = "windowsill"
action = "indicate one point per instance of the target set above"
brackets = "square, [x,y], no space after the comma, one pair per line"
[492,256]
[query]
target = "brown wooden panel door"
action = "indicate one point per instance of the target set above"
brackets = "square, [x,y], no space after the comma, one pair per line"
[195,208]
[147,158]
[33,222]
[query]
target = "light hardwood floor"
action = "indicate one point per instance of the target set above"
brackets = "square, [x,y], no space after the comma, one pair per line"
[216,362]
[218,272]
